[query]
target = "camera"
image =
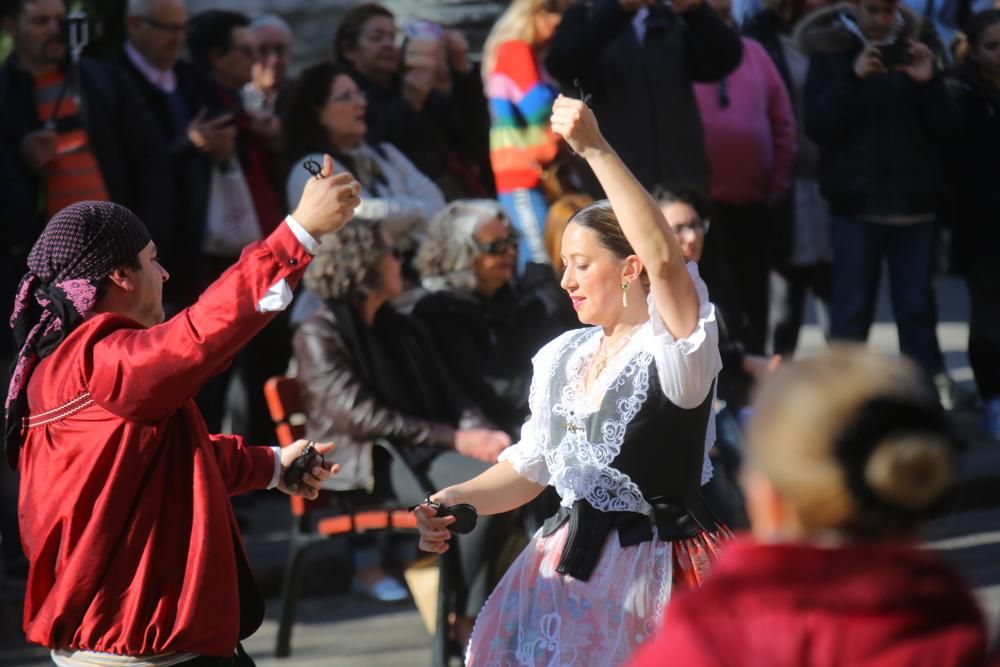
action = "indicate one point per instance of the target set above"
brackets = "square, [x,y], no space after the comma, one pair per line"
[896,54]
[77,30]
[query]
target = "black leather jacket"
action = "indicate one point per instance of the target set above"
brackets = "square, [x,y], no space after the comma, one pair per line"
[355,390]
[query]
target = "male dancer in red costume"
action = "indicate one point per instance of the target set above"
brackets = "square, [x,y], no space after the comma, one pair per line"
[124,508]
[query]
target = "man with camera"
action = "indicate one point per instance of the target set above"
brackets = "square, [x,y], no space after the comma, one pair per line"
[77,130]
[134,550]
[638,60]
[879,111]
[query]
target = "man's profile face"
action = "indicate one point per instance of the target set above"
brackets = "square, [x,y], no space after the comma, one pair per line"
[36,33]
[273,51]
[159,34]
[233,68]
[875,17]
[147,297]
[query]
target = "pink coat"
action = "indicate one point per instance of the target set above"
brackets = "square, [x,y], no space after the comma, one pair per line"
[751,142]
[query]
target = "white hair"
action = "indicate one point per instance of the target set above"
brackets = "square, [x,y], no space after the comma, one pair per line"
[446,256]
[270,21]
[140,7]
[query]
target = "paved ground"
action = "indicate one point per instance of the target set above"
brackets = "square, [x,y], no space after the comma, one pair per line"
[340,629]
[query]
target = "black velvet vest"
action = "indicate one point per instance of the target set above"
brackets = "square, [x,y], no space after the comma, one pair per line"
[662,452]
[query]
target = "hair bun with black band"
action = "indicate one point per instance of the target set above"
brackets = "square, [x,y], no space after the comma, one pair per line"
[876,421]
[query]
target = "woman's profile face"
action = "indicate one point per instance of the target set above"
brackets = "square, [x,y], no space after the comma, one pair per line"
[390,271]
[545,26]
[593,276]
[987,51]
[494,265]
[343,115]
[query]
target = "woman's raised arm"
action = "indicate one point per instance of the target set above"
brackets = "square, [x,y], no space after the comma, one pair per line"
[640,218]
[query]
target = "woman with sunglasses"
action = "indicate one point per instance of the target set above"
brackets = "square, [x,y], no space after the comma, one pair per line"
[325,113]
[486,323]
[620,423]
[367,372]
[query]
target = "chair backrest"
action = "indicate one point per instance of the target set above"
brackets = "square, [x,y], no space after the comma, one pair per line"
[284,402]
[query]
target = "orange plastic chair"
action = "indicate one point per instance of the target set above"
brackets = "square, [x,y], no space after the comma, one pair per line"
[284,402]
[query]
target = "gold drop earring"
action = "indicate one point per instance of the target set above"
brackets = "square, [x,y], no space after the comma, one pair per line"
[625,295]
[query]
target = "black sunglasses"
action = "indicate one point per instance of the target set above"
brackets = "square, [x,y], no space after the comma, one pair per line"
[499,247]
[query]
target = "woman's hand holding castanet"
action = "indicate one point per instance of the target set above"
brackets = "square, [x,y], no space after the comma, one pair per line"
[434,533]
[575,122]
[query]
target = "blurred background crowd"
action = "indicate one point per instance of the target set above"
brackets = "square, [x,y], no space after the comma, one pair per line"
[798,148]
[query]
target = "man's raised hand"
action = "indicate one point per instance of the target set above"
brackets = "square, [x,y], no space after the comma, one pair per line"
[328,201]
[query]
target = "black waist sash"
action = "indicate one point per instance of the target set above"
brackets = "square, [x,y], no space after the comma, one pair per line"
[589,527]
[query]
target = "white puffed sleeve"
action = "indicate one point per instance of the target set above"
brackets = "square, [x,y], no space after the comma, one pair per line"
[527,456]
[687,367]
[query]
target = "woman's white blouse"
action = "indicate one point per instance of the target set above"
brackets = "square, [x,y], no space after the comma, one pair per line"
[579,468]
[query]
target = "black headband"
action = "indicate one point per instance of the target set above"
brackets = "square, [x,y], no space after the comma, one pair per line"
[876,420]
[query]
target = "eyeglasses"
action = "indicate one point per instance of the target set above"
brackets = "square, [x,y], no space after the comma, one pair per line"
[691,229]
[279,50]
[245,49]
[500,246]
[350,96]
[175,28]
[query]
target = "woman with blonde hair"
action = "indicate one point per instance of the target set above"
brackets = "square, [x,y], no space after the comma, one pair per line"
[848,453]
[520,97]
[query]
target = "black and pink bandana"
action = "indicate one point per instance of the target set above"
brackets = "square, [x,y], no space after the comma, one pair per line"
[79,247]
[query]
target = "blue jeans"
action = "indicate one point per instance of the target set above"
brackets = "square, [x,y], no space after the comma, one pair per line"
[527,209]
[858,251]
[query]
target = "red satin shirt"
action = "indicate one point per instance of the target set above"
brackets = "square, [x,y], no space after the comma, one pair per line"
[124,508]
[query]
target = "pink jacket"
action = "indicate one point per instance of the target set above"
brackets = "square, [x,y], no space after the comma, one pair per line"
[751,141]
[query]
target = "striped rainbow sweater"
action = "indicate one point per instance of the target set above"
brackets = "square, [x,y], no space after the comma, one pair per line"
[521,143]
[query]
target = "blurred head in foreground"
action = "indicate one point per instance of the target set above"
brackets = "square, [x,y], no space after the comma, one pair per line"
[850,446]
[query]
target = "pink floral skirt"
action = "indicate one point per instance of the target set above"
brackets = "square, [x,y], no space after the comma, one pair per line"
[538,617]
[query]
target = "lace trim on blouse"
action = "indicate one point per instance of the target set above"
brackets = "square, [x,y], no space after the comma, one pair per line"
[579,468]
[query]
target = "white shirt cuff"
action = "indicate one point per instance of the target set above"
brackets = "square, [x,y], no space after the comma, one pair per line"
[276,477]
[307,240]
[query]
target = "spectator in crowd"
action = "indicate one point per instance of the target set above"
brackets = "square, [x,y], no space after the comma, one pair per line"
[369,372]
[269,82]
[135,556]
[801,239]
[178,97]
[241,205]
[977,175]
[222,46]
[485,325]
[520,98]
[687,213]
[750,143]
[881,115]
[73,132]
[637,60]
[326,113]
[426,99]
[620,420]
[848,452]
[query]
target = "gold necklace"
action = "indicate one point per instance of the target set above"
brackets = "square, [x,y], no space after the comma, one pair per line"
[607,355]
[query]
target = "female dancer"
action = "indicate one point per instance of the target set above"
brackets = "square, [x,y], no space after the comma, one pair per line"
[620,419]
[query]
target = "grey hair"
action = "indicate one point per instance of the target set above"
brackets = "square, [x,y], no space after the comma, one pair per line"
[446,257]
[270,21]
[346,266]
[139,7]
